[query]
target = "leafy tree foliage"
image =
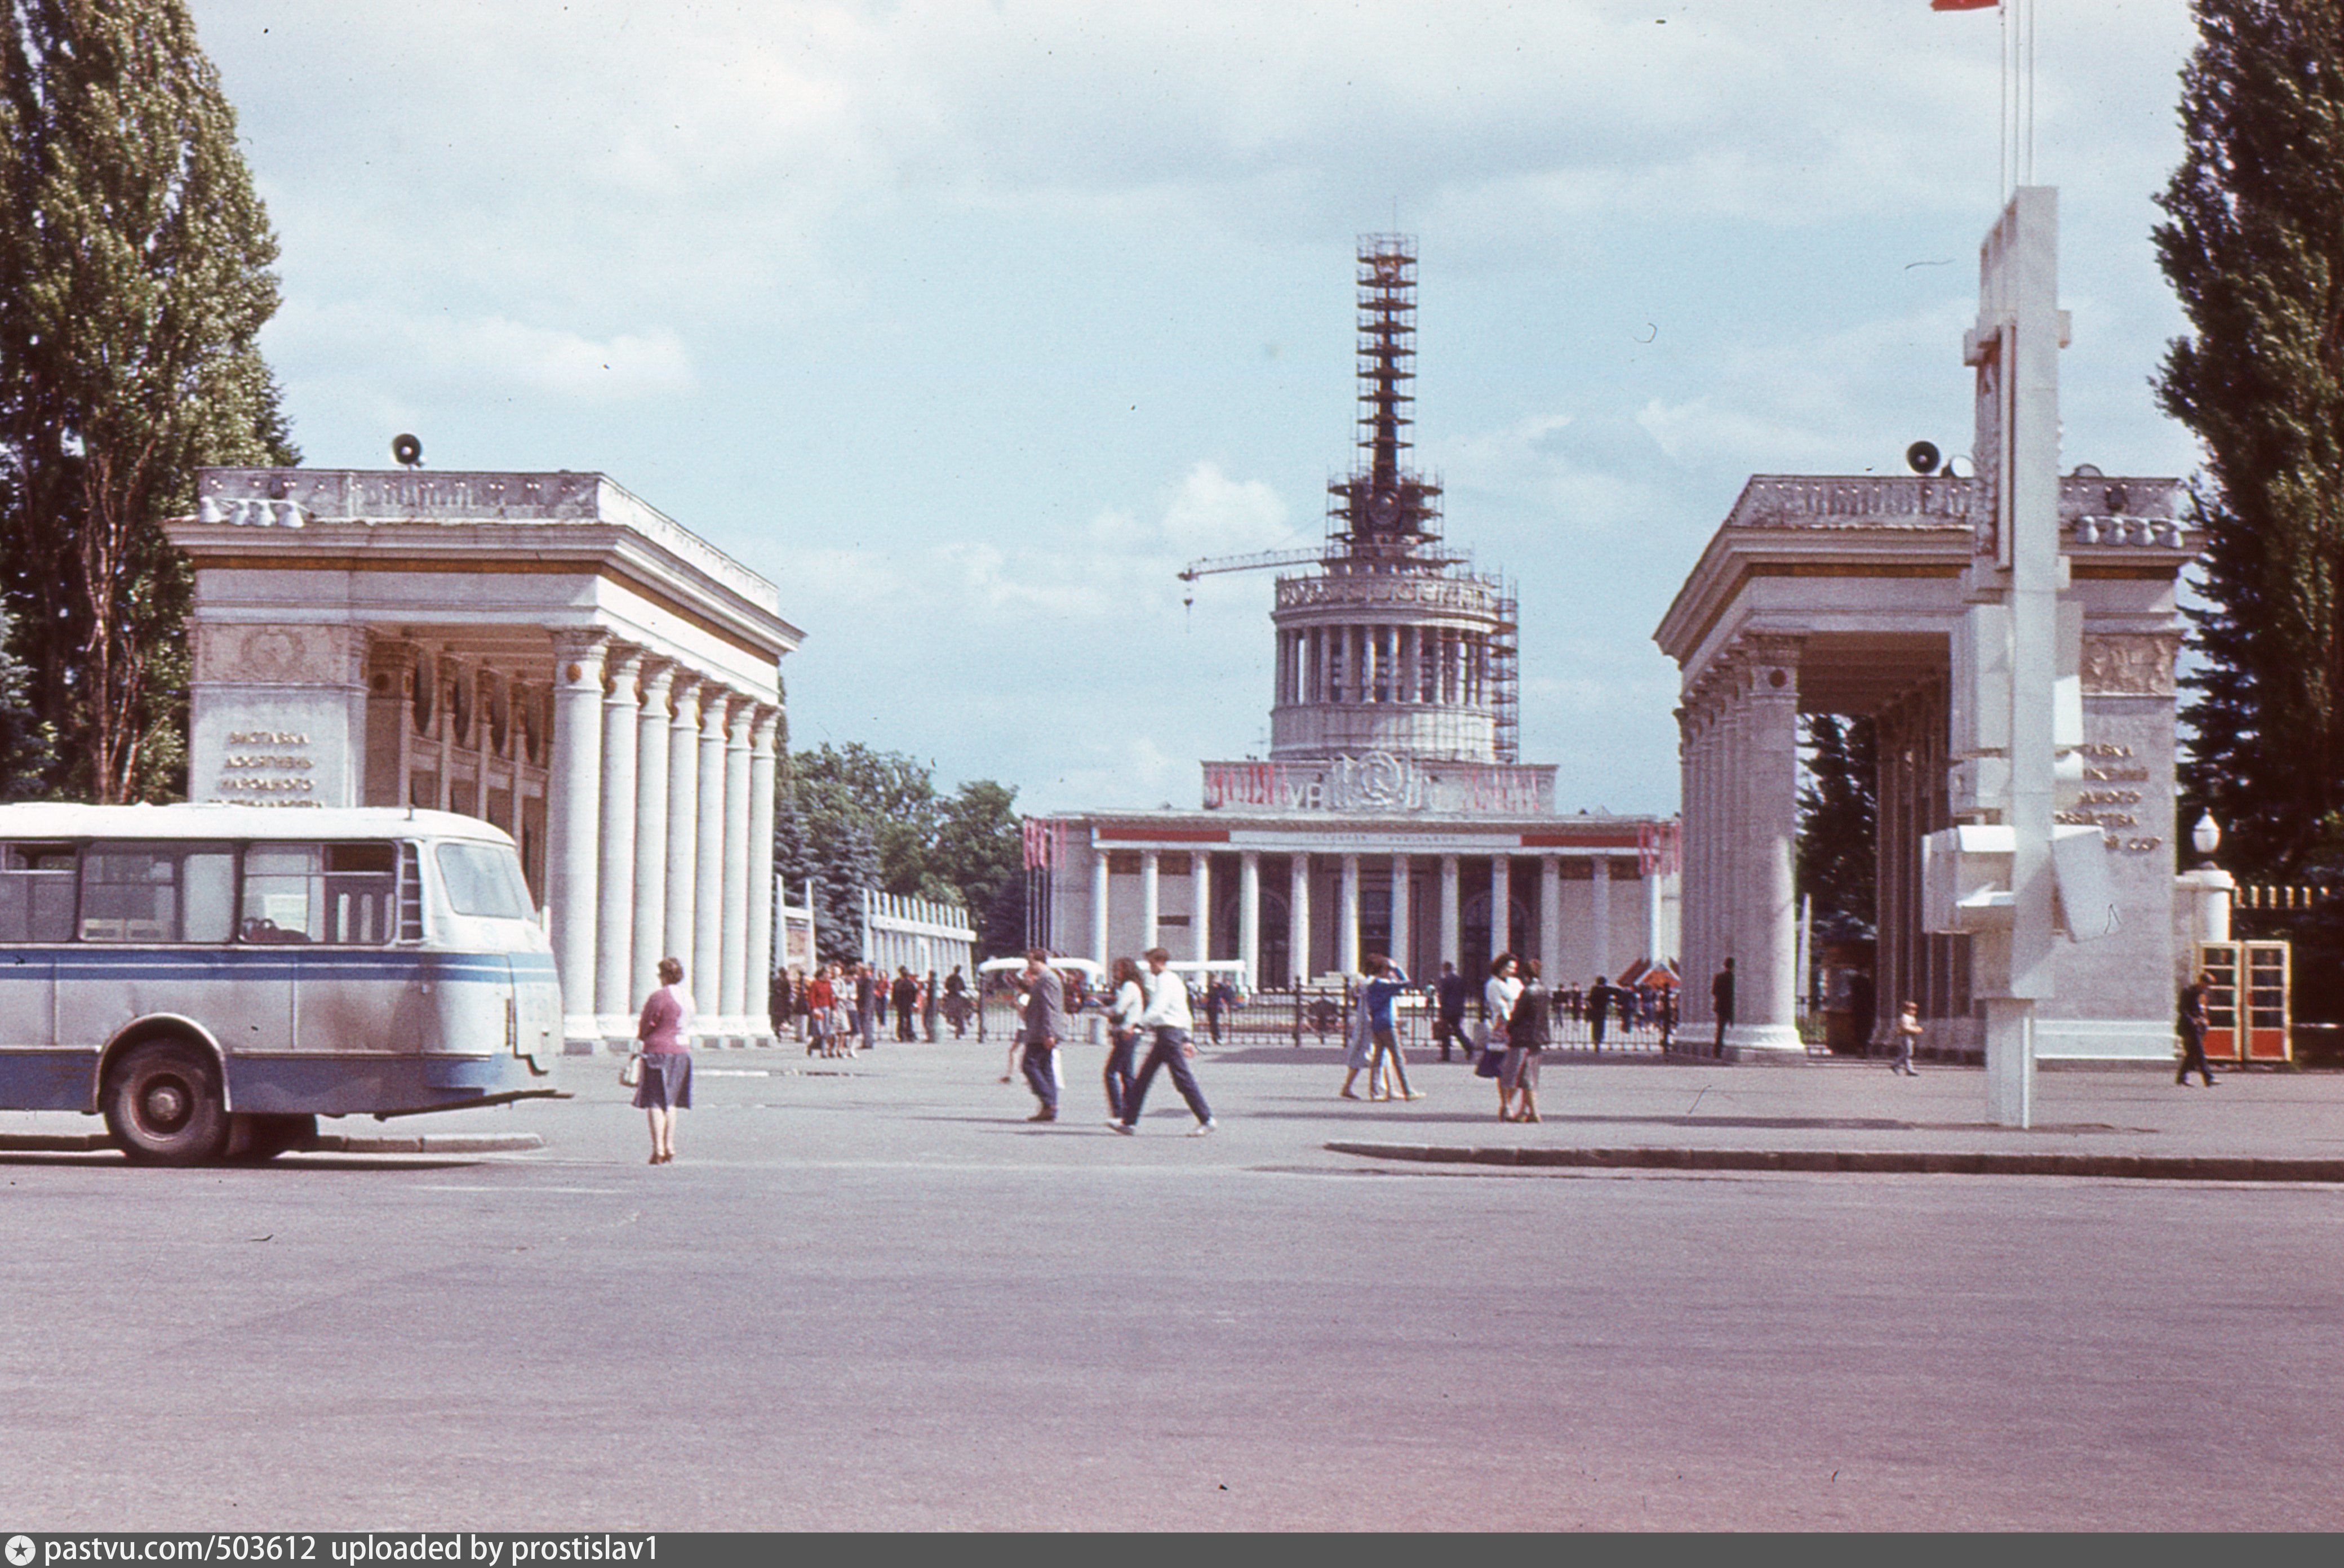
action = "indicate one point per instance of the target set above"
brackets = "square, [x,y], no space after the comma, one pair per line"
[851,817]
[1839,815]
[2254,250]
[134,283]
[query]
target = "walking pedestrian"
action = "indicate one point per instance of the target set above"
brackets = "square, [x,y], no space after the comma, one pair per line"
[1448,1011]
[2192,1023]
[1527,1031]
[1720,1004]
[1167,1015]
[820,1002]
[1359,1050]
[956,1002]
[1130,1000]
[780,1002]
[1039,1032]
[1217,996]
[1498,994]
[664,1033]
[1385,980]
[931,1002]
[1601,997]
[1664,1013]
[1908,1038]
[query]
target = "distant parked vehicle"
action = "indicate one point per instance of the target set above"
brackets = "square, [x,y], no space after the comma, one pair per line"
[213,978]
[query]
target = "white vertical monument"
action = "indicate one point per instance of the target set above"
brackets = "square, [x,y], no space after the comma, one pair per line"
[2010,877]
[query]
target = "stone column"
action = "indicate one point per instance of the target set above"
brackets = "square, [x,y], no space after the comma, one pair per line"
[1297,917]
[707,981]
[1151,891]
[574,810]
[1767,1023]
[1551,919]
[682,829]
[734,956]
[1249,914]
[1501,903]
[1599,913]
[615,923]
[649,911]
[1347,919]
[1453,941]
[1200,904]
[765,731]
[1402,945]
[1099,892]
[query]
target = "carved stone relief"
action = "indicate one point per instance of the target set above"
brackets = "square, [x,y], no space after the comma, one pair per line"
[2129,664]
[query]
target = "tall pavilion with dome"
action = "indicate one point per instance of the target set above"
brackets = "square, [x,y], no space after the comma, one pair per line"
[1393,814]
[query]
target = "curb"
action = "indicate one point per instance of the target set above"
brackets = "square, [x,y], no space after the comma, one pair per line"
[2130,1167]
[324,1143]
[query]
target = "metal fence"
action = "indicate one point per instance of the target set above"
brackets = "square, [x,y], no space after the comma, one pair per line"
[1321,1016]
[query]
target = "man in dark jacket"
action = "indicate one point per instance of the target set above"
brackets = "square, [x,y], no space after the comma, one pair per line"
[1041,1029]
[1449,1020]
[1721,1003]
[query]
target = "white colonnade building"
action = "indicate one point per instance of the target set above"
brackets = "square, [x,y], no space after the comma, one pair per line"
[542,651]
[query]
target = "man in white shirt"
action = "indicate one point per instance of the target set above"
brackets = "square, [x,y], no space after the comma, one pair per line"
[1167,1017]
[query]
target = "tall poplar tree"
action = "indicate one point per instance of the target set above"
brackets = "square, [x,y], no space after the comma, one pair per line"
[2254,250]
[1839,816]
[135,279]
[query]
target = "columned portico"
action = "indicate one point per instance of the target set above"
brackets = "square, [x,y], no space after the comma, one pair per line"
[504,645]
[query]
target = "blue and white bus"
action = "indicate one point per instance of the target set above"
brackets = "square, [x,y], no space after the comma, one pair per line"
[213,978]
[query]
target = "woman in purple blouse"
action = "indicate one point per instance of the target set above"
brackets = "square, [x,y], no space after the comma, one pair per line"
[665,1035]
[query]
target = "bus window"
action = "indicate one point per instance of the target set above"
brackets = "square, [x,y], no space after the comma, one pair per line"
[36,893]
[336,892]
[483,879]
[156,893]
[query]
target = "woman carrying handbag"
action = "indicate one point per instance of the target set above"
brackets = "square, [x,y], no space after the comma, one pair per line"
[664,1034]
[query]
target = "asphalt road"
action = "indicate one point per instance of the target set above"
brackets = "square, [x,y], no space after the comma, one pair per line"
[878,1299]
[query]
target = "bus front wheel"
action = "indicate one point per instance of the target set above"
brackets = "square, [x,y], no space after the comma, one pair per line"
[163,1105]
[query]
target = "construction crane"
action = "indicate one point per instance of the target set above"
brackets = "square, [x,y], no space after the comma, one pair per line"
[1261,560]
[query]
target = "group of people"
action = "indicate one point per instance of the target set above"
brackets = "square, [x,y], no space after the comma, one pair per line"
[842,1007]
[1597,1007]
[1148,1002]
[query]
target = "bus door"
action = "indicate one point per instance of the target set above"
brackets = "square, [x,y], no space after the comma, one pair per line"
[320,916]
[537,1009]
[36,916]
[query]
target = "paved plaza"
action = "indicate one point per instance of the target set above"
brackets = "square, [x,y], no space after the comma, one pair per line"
[869,1294]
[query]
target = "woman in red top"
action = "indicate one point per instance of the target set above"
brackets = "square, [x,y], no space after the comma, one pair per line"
[666,1036]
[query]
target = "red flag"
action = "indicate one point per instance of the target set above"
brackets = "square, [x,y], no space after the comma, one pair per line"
[1963,5]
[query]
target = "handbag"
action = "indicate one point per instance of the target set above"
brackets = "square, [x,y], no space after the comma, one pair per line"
[633,1073]
[1492,1063]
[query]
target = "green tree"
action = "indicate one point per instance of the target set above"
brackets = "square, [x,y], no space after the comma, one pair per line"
[134,283]
[979,848]
[2254,250]
[851,817]
[1839,814]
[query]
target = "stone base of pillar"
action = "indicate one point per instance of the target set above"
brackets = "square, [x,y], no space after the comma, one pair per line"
[1764,1043]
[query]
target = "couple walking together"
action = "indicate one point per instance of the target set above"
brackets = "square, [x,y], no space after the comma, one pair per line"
[1154,1001]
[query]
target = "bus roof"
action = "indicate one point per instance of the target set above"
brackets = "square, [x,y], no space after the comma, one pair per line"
[42,819]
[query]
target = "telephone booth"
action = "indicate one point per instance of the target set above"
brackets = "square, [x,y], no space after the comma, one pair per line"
[2249,1005]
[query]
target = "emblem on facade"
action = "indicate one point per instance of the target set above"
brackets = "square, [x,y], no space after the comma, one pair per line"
[2129,665]
[1377,781]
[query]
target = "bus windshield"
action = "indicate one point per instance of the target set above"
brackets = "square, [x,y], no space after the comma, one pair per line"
[483,879]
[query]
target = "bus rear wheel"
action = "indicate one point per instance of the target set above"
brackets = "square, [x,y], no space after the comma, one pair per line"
[163,1105]
[257,1137]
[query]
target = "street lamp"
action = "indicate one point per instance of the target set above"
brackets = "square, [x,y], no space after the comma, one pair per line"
[2206,837]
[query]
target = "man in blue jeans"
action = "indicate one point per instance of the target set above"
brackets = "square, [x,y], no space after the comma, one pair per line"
[1166,1018]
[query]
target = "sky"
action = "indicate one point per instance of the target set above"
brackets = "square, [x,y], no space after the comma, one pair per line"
[968,325]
